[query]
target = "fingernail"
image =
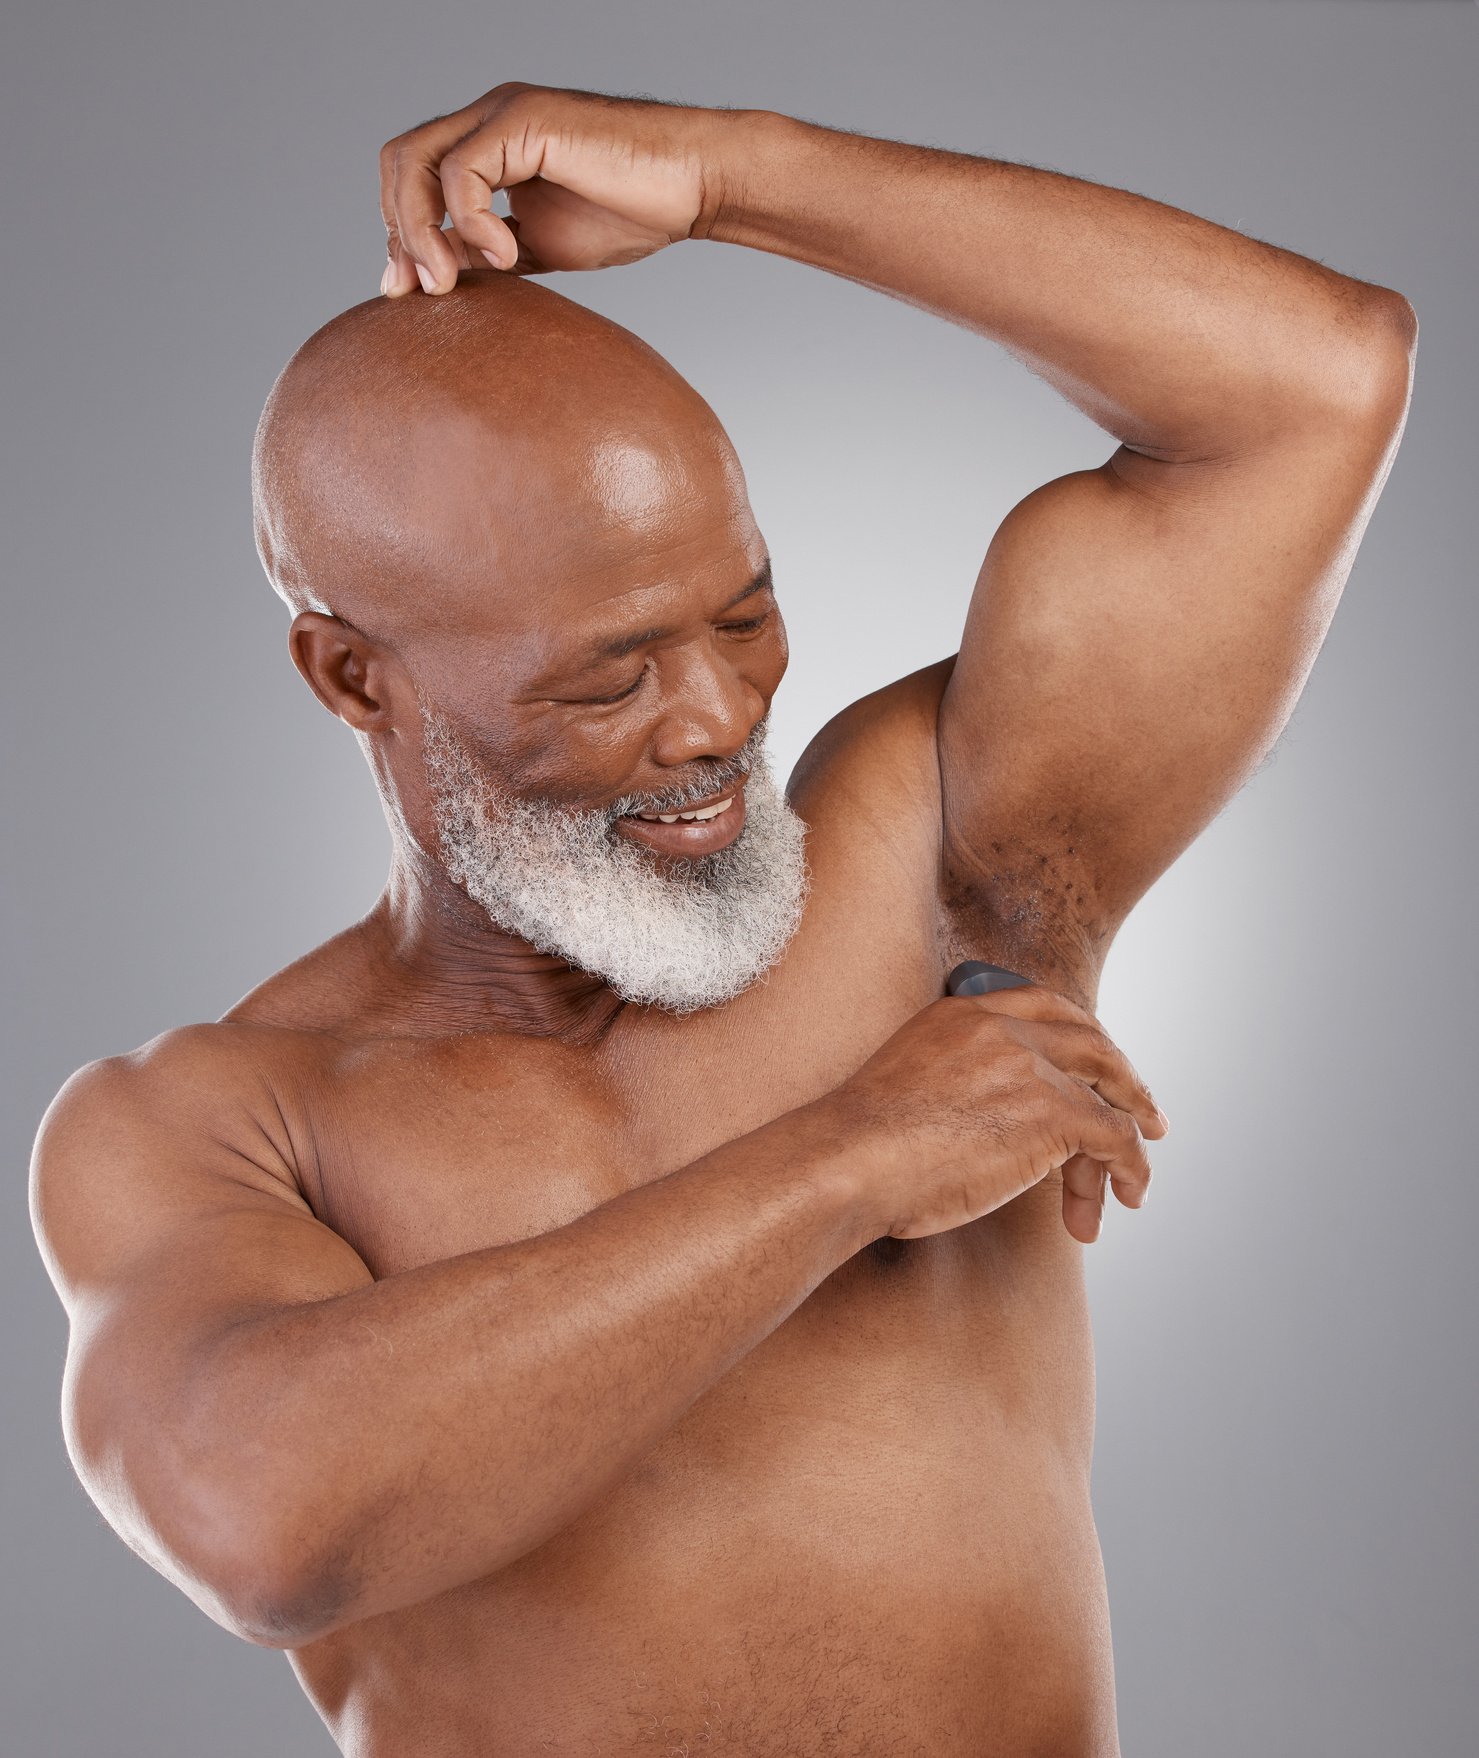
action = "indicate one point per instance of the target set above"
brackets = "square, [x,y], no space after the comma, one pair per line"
[423,274]
[1165,1120]
[494,259]
[385,278]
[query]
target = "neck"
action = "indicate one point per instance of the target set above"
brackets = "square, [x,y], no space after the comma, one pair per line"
[455,971]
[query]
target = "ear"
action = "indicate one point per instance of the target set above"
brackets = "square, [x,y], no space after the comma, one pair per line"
[345,669]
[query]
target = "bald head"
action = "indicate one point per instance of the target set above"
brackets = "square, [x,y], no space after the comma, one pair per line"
[496,504]
[525,572]
[443,460]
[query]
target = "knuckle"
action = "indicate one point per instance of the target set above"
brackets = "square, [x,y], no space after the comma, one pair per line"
[976,1025]
[1020,1065]
[1097,1043]
[1036,1067]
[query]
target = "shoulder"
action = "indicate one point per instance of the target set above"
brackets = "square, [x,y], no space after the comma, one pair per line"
[887,734]
[209,1060]
[867,788]
[129,1136]
[166,1071]
[874,768]
[871,780]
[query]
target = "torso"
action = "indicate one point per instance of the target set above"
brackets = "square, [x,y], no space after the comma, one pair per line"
[873,1534]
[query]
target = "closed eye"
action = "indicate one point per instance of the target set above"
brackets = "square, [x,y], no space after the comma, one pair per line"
[621,695]
[748,627]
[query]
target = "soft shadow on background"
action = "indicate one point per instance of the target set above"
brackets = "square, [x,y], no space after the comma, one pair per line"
[1287,1409]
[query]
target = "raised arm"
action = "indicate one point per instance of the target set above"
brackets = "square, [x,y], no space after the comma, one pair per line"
[1139,632]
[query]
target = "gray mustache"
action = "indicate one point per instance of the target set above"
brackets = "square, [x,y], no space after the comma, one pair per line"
[706,786]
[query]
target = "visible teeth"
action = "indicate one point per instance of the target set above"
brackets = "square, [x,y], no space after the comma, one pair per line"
[702,815]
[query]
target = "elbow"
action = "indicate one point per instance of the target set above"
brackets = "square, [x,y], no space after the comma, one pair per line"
[288,1620]
[262,1571]
[1394,340]
[1349,372]
[251,1551]
[1374,384]
[1396,319]
[256,1553]
[277,1602]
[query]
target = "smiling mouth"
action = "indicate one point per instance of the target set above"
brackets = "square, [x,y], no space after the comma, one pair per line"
[695,814]
[696,830]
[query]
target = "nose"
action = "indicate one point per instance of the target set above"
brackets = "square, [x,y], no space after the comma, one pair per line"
[712,710]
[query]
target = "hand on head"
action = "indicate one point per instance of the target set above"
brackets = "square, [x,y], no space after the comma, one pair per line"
[592,182]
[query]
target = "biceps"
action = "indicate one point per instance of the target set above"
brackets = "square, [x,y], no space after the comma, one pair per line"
[1138,638]
[142,1428]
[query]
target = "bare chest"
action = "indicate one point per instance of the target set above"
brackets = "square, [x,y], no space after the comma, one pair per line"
[900,1426]
[421,1149]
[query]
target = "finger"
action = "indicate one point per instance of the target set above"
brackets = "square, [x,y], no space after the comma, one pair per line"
[1100,1061]
[467,257]
[431,138]
[1029,1001]
[527,263]
[470,173]
[418,209]
[400,272]
[1084,1182]
[393,281]
[1090,1055]
[1112,1138]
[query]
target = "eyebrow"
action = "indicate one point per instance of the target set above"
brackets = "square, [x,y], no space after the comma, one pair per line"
[620,645]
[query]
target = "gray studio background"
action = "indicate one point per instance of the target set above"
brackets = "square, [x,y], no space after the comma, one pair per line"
[1287,1414]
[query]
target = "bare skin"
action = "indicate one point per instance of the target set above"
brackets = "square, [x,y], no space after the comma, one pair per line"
[552,1374]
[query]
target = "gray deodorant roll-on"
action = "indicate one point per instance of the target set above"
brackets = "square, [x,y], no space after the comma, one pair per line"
[976,977]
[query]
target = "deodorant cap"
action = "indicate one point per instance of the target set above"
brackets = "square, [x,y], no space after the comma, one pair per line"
[976,977]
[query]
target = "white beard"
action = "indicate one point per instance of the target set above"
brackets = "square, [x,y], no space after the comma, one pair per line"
[573,886]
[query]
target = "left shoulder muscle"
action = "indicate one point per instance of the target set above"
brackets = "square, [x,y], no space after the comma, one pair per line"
[870,779]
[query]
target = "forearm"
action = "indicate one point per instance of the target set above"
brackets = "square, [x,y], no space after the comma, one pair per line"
[1179,336]
[395,1442]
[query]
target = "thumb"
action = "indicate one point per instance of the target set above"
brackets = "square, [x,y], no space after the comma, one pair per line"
[527,263]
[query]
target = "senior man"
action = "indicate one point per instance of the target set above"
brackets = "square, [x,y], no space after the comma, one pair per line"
[609,1299]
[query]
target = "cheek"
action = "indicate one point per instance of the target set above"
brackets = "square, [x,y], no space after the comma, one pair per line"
[580,763]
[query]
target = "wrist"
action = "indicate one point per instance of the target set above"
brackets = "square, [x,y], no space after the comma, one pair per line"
[837,1160]
[749,159]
